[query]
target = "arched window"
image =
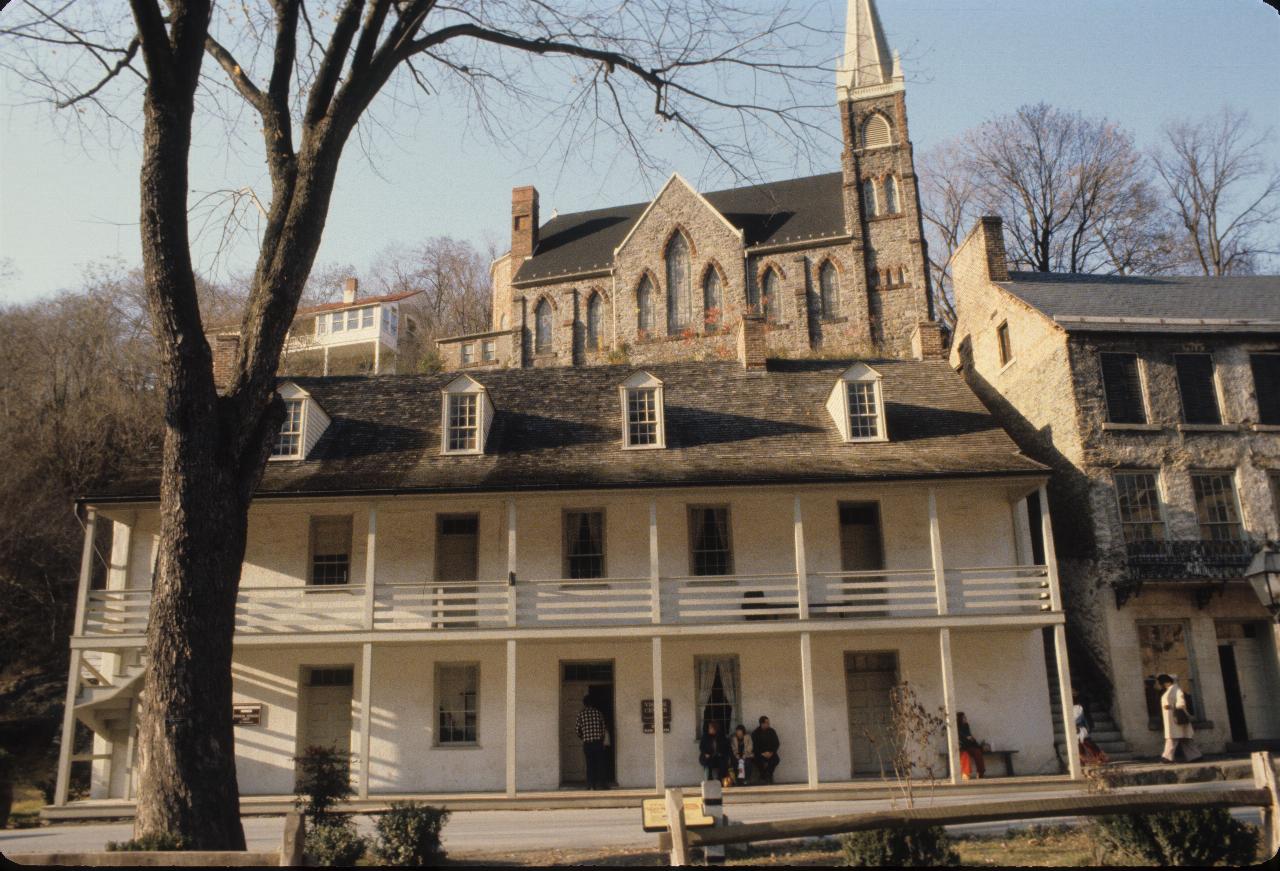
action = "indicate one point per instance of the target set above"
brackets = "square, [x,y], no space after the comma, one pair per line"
[644,307]
[712,300]
[542,327]
[870,201]
[595,322]
[772,300]
[679,293]
[829,290]
[876,132]
[891,206]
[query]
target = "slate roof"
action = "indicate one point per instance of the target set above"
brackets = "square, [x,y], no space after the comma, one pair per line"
[782,211]
[1130,303]
[560,428]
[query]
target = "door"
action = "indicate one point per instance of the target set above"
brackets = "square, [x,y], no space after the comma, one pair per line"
[869,679]
[861,550]
[578,680]
[457,559]
[326,708]
[1231,686]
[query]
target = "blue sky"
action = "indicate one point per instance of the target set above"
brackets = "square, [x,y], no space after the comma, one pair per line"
[65,203]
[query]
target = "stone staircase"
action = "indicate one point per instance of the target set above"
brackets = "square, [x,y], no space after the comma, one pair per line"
[1105,733]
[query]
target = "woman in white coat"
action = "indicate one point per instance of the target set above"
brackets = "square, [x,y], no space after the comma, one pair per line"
[1177,722]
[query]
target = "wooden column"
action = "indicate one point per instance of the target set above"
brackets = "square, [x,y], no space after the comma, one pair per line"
[802,569]
[935,547]
[366,715]
[1064,693]
[949,704]
[659,748]
[370,567]
[1050,555]
[511,718]
[810,726]
[655,566]
[73,671]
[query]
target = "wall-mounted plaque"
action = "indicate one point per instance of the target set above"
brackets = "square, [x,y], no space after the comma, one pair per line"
[246,715]
[646,715]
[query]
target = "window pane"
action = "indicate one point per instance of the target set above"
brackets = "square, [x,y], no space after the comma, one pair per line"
[1123,388]
[642,416]
[1195,385]
[644,307]
[289,442]
[712,303]
[679,292]
[1139,501]
[864,416]
[829,290]
[464,422]
[1266,384]
[457,711]
[542,328]
[330,550]
[1216,508]
[709,535]
[584,543]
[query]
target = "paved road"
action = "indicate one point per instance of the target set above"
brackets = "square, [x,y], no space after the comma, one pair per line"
[510,831]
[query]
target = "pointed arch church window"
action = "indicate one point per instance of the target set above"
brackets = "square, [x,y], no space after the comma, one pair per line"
[772,296]
[891,206]
[829,290]
[542,327]
[644,307]
[679,292]
[712,300]
[595,322]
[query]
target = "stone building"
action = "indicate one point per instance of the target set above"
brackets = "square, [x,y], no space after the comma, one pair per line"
[835,262]
[1156,401]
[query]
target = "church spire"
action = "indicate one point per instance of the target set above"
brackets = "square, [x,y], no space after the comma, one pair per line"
[868,68]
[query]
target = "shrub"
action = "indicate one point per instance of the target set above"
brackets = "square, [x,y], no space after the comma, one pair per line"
[409,834]
[324,779]
[150,842]
[335,842]
[1203,836]
[906,846]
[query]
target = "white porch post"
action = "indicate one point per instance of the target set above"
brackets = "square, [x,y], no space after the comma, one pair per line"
[810,726]
[802,570]
[512,604]
[370,566]
[659,748]
[366,715]
[73,672]
[1050,555]
[935,546]
[655,567]
[511,718]
[1068,702]
[949,704]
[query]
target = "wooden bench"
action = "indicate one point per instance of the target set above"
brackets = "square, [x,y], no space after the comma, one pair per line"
[1005,756]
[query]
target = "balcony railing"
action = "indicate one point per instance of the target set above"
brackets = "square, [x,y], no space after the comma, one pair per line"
[601,602]
[1188,559]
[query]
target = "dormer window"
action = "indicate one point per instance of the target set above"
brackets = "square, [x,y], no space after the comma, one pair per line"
[304,423]
[289,442]
[642,418]
[467,414]
[856,404]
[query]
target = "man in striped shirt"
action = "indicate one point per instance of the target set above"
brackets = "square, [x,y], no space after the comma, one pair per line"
[592,732]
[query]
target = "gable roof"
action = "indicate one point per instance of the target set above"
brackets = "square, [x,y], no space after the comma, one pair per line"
[768,214]
[1170,304]
[558,428]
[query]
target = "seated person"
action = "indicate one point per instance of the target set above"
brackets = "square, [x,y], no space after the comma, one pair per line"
[713,752]
[972,765]
[740,753]
[764,747]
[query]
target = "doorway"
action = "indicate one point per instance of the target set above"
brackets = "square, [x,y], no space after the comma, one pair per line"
[577,681]
[869,679]
[325,701]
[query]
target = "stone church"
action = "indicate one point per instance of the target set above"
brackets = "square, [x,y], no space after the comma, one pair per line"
[833,263]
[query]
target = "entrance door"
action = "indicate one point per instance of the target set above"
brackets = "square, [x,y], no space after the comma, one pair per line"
[1231,685]
[326,708]
[578,680]
[869,678]
[457,559]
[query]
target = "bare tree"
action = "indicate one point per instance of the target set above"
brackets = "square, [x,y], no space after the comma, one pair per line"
[1224,190]
[308,76]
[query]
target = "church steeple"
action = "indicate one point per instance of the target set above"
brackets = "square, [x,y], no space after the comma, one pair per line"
[868,67]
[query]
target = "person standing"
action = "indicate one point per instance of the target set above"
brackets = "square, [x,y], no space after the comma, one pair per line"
[765,744]
[1176,711]
[592,732]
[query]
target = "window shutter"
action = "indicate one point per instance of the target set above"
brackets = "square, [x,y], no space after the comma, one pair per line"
[1123,388]
[1195,385]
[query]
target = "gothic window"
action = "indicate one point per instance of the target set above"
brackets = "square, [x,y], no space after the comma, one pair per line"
[869,199]
[595,322]
[542,327]
[644,307]
[891,206]
[679,292]
[876,132]
[829,290]
[771,300]
[712,300]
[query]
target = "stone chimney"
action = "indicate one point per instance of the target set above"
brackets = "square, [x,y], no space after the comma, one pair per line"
[350,288]
[926,341]
[751,344]
[226,348]
[524,222]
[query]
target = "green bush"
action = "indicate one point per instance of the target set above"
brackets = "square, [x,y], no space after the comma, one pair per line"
[409,834]
[906,846]
[151,842]
[334,842]
[324,779]
[1208,836]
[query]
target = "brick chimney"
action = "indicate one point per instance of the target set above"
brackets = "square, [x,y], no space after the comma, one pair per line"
[751,345]
[926,341]
[524,222]
[226,348]
[350,288]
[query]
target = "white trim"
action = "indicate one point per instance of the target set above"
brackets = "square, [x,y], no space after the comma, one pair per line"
[675,176]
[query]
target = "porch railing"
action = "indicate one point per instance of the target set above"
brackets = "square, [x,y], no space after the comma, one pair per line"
[563,602]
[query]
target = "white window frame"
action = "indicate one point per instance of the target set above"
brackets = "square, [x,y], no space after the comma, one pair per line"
[637,382]
[838,404]
[465,385]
